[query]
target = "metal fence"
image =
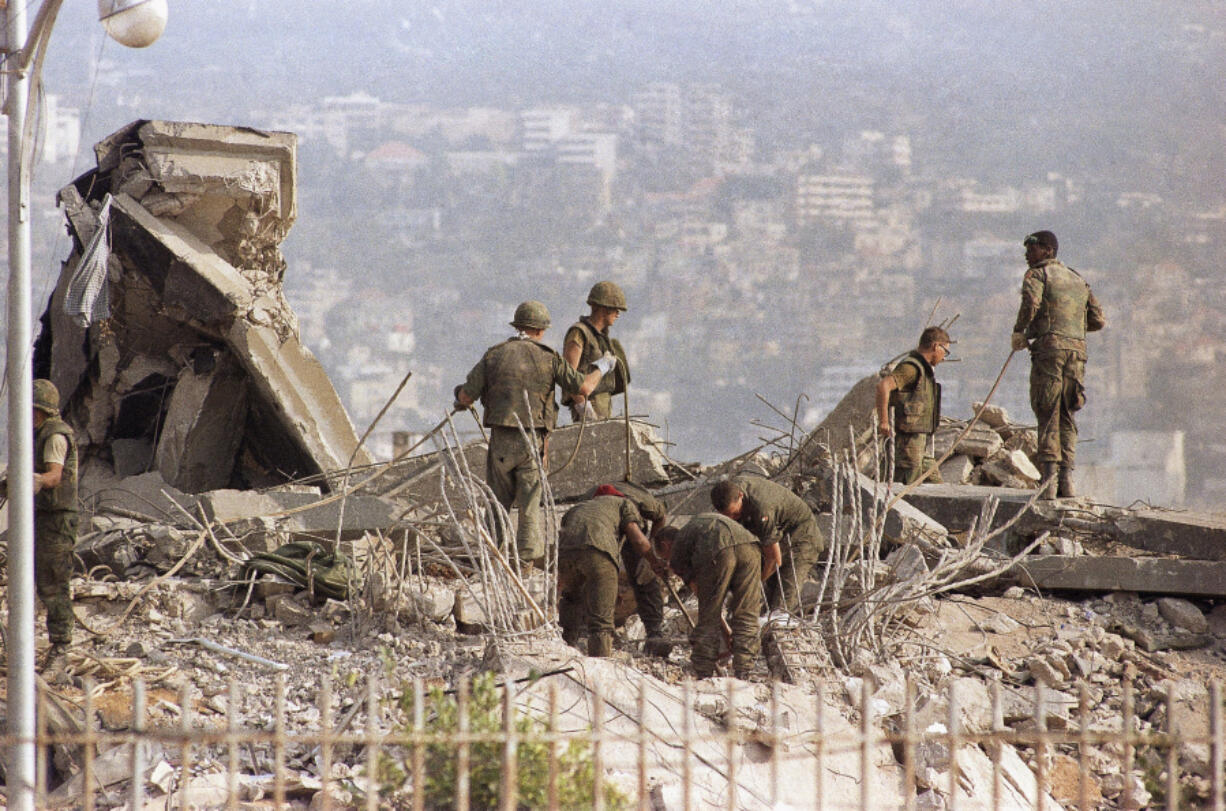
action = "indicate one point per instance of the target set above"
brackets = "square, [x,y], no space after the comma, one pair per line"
[685,761]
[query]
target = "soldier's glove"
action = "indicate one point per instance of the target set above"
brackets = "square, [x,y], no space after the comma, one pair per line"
[606,362]
[1018,341]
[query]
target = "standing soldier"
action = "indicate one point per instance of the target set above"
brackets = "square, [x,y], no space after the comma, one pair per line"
[55,518]
[914,395]
[588,339]
[718,558]
[1057,311]
[514,382]
[590,546]
[783,523]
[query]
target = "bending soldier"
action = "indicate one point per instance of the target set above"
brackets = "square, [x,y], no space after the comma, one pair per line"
[913,394]
[588,339]
[1056,312]
[590,545]
[718,559]
[514,382]
[783,523]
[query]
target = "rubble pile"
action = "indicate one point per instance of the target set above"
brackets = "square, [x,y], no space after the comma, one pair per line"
[234,535]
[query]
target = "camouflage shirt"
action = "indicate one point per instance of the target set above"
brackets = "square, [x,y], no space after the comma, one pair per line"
[1057,308]
[700,540]
[63,497]
[599,523]
[648,505]
[771,510]
[515,367]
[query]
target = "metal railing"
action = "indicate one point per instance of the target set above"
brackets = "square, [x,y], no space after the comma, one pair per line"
[691,745]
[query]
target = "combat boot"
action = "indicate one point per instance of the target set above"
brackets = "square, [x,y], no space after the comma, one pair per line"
[1065,487]
[600,644]
[657,646]
[1047,487]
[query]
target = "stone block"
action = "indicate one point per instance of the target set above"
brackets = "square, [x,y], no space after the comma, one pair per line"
[435,602]
[1182,614]
[957,469]
[1011,469]
[993,416]
[980,442]
[1195,578]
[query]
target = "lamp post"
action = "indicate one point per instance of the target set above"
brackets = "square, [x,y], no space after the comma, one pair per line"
[136,23]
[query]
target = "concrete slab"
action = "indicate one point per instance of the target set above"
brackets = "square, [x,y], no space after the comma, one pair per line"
[850,417]
[956,506]
[1191,535]
[601,456]
[203,427]
[1198,578]
[904,522]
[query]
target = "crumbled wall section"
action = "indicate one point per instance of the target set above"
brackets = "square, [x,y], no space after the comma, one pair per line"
[198,374]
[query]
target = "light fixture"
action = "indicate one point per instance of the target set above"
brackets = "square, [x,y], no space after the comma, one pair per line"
[134,23]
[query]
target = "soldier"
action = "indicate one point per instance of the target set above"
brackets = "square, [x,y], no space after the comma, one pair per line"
[914,395]
[648,590]
[780,519]
[718,558]
[1057,311]
[588,339]
[514,381]
[590,545]
[55,517]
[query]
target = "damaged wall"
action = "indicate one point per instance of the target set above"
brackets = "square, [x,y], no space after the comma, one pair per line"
[198,373]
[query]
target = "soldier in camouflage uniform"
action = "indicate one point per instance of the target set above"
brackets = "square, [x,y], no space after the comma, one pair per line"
[590,545]
[718,558]
[648,590]
[1056,312]
[913,394]
[588,339]
[55,517]
[780,519]
[514,382]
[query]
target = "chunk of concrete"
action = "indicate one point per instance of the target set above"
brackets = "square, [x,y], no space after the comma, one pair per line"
[203,427]
[1011,469]
[957,469]
[147,495]
[980,442]
[993,416]
[601,456]
[1198,578]
[1183,614]
[904,523]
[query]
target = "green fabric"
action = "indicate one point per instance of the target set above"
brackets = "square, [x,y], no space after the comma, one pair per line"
[702,539]
[587,592]
[735,572]
[1056,389]
[598,523]
[1057,307]
[515,367]
[63,497]
[772,511]
[917,408]
[55,537]
[306,561]
[911,458]
[511,472]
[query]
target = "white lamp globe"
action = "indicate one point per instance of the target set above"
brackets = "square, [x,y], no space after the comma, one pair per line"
[134,23]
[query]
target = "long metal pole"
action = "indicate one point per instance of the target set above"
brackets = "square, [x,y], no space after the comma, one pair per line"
[21,715]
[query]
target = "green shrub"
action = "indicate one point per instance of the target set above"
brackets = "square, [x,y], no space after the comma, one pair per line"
[575,782]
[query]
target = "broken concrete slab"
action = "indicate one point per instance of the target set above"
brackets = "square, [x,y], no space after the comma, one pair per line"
[980,442]
[1010,469]
[904,523]
[1183,614]
[203,427]
[1198,578]
[601,456]
[1188,534]
[957,469]
[957,506]
[146,496]
[850,418]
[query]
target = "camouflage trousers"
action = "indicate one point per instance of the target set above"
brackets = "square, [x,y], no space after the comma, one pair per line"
[911,459]
[735,573]
[55,537]
[511,472]
[800,551]
[587,596]
[1056,393]
[648,596]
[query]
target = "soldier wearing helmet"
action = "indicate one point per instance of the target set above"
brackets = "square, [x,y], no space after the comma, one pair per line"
[55,518]
[514,381]
[588,339]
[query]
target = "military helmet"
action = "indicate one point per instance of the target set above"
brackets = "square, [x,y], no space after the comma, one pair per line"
[46,397]
[531,315]
[607,294]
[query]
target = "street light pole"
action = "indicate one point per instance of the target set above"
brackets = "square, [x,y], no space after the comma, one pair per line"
[135,23]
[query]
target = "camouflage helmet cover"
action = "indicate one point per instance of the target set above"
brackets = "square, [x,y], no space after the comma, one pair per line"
[531,315]
[607,294]
[46,397]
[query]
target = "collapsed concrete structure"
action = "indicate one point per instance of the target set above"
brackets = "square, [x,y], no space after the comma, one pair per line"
[198,373]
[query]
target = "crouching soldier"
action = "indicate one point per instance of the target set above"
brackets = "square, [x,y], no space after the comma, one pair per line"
[718,558]
[780,518]
[589,560]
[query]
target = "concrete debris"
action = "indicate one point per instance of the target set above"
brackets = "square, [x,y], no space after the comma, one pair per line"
[199,374]
[1182,614]
[1199,578]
